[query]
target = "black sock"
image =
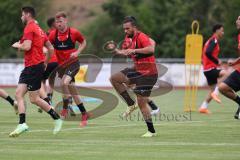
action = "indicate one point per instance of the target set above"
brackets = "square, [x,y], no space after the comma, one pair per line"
[127,98]
[10,100]
[47,100]
[238,110]
[22,118]
[152,105]
[53,114]
[81,108]
[150,125]
[237,100]
[65,103]
[50,96]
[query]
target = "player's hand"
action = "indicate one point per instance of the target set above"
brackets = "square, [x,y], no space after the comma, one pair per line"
[74,55]
[121,52]
[219,62]
[45,63]
[45,50]
[16,45]
[231,62]
[129,52]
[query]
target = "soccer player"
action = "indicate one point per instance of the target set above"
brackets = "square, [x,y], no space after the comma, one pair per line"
[64,39]
[144,73]
[51,25]
[52,65]
[154,108]
[32,43]
[231,85]
[211,65]
[8,98]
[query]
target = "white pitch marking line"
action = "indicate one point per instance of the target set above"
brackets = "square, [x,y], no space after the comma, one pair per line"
[116,126]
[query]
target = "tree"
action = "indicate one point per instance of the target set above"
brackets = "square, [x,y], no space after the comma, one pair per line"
[11,27]
[167,22]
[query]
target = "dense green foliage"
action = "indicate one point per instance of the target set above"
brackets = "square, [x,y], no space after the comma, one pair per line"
[11,26]
[167,22]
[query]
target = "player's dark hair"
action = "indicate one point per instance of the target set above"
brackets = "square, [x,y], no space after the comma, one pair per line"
[30,10]
[130,19]
[216,27]
[50,21]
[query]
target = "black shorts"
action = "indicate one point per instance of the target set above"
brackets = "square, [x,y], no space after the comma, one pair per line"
[32,76]
[70,69]
[50,68]
[144,83]
[233,81]
[212,76]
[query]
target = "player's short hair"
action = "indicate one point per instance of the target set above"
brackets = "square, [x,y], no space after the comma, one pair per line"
[216,27]
[130,19]
[61,14]
[50,21]
[30,10]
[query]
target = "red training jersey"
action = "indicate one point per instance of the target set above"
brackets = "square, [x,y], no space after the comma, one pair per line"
[143,63]
[210,54]
[35,55]
[64,43]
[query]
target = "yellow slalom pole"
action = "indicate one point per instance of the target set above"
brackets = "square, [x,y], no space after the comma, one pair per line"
[187,90]
[193,52]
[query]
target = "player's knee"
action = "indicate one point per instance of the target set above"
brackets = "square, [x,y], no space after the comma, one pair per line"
[64,83]
[33,100]
[18,95]
[112,79]
[224,73]
[141,101]
[222,87]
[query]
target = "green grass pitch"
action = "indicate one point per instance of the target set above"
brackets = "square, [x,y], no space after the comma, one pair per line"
[208,137]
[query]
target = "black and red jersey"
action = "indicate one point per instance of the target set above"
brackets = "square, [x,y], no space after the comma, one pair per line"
[64,43]
[143,63]
[210,54]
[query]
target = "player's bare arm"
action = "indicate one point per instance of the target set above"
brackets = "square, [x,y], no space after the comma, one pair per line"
[50,51]
[148,49]
[81,47]
[145,50]
[234,62]
[25,46]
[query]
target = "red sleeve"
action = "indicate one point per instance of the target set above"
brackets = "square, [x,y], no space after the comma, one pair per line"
[78,36]
[45,38]
[144,40]
[28,33]
[52,36]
